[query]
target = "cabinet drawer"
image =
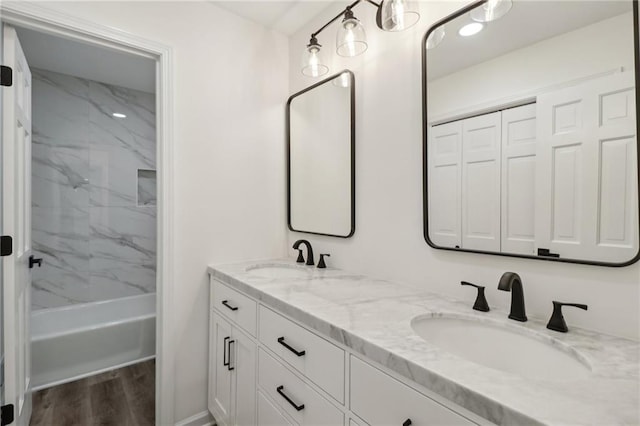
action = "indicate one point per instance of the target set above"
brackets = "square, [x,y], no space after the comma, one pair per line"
[293,396]
[268,414]
[379,399]
[235,306]
[322,361]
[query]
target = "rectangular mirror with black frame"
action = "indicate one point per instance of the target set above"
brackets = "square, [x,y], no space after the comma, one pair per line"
[321,157]
[530,131]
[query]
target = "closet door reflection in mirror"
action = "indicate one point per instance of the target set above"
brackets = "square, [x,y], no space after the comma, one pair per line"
[321,157]
[531,130]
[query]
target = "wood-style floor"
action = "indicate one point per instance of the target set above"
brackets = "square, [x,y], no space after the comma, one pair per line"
[124,397]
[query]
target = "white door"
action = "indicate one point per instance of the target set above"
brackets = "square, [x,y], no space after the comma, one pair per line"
[444,180]
[16,216]
[220,396]
[481,144]
[518,179]
[587,175]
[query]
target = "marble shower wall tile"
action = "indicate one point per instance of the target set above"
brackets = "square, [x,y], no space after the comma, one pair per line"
[83,157]
[123,250]
[147,188]
[60,176]
[113,176]
[61,237]
[119,146]
[60,109]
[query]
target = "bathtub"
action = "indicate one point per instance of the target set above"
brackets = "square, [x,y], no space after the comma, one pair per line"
[78,341]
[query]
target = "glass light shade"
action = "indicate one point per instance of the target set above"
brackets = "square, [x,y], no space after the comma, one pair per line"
[436,37]
[351,39]
[313,64]
[398,15]
[491,10]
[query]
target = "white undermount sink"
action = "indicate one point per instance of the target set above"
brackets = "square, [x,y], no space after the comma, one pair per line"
[501,347]
[279,271]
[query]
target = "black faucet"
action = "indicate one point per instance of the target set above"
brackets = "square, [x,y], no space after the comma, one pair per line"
[309,251]
[510,281]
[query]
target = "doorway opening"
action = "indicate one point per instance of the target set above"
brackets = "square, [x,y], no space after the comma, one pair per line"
[99,221]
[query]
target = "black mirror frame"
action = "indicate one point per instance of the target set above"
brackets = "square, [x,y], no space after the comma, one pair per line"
[352,90]
[425,141]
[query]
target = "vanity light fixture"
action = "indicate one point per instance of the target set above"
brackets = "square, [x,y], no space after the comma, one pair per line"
[491,10]
[351,40]
[436,37]
[397,15]
[119,115]
[312,60]
[471,29]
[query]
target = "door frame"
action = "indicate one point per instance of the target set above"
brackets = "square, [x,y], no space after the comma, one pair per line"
[42,19]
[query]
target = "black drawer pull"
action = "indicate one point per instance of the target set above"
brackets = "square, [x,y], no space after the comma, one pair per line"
[280,390]
[283,343]
[226,303]
[407,422]
[229,367]
[224,351]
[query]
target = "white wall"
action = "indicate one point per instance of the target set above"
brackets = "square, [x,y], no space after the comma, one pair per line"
[389,242]
[586,52]
[230,86]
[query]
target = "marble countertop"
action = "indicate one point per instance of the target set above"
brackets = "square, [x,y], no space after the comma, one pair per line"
[373,318]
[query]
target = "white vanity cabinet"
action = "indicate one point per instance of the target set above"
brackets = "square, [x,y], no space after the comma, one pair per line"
[268,414]
[380,399]
[267,369]
[232,373]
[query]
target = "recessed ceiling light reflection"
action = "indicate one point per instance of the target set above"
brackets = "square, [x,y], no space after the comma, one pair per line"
[119,115]
[470,29]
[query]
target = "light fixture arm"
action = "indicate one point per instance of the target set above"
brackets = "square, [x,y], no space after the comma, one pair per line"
[338,16]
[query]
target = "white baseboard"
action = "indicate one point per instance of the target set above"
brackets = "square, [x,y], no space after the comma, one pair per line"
[201,419]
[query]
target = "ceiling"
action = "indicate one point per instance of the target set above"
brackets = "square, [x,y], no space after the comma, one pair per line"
[286,17]
[70,57]
[527,22]
[82,60]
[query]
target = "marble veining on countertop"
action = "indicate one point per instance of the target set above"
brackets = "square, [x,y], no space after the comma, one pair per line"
[373,318]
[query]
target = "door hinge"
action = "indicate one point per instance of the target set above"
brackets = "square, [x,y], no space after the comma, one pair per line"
[546,253]
[6,76]
[6,245]
[7,414]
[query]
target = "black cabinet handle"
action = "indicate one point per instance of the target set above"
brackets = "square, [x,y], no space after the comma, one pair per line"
[407,422]
[224,352]
[283,343]
[226,303]
[229,367]
[280,390]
